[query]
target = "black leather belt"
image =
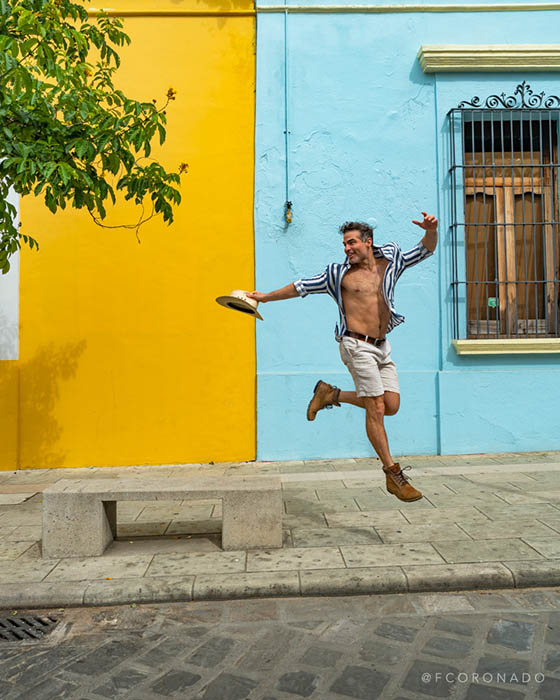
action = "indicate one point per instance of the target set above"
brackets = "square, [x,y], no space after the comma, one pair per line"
[366,338]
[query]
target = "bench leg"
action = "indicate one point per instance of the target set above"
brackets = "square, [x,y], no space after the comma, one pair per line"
[252,520]
[80,526]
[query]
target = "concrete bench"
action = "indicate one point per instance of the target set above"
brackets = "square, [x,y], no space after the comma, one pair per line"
[80,515]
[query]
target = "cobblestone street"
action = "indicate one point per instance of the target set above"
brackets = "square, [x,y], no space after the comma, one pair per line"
[474,645]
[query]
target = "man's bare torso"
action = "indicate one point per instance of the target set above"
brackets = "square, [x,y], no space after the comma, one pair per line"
[364,304]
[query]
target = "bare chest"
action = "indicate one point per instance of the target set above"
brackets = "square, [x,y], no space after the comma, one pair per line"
[365,283]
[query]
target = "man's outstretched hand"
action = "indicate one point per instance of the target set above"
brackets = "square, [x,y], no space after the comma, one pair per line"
[429,223]
[257,296]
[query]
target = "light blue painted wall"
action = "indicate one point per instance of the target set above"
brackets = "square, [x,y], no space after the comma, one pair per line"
[368,141]
[393,3]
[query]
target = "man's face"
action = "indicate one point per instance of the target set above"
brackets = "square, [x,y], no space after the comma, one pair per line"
[356,249]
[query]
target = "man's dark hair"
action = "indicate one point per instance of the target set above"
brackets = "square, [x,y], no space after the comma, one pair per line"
[365,230]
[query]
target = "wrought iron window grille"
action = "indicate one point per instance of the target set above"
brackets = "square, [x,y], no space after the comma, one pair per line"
[505,215]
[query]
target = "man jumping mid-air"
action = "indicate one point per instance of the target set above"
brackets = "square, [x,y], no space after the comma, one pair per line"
[363,287]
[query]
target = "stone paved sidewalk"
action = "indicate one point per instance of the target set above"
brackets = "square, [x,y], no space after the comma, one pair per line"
[486,521]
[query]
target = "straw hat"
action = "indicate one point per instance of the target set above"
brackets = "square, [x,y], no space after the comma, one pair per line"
[239,301]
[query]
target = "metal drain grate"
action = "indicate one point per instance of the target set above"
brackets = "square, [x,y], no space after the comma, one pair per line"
[26,627]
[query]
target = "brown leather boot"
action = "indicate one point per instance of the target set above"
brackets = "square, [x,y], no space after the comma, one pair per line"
[324,396]
[397,484]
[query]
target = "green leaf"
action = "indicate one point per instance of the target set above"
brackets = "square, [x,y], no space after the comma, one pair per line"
[50,201]
[65,173]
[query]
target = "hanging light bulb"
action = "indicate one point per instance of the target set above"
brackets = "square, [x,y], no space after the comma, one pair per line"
[288,212]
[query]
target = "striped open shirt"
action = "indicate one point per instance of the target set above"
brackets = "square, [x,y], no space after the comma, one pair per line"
[330,281]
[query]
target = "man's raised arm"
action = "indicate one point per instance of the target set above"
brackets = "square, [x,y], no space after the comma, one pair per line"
[287,292]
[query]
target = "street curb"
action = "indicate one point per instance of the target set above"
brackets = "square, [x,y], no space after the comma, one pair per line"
[42,595]
[279,584]
[144,590]
[385,579]
[458,577]
[535,573]
[329,582]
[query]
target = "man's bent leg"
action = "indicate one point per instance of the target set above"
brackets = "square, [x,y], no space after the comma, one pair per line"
[392,400]
[352,398]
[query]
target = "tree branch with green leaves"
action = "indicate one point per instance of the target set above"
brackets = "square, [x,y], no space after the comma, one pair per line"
[66,132]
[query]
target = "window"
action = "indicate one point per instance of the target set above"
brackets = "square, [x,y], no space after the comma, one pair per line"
[504,210]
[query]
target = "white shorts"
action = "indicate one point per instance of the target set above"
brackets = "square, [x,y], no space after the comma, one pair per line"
[371,367]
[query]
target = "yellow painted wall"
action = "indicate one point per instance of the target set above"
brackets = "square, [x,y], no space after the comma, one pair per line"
[125,358]
[9,407]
